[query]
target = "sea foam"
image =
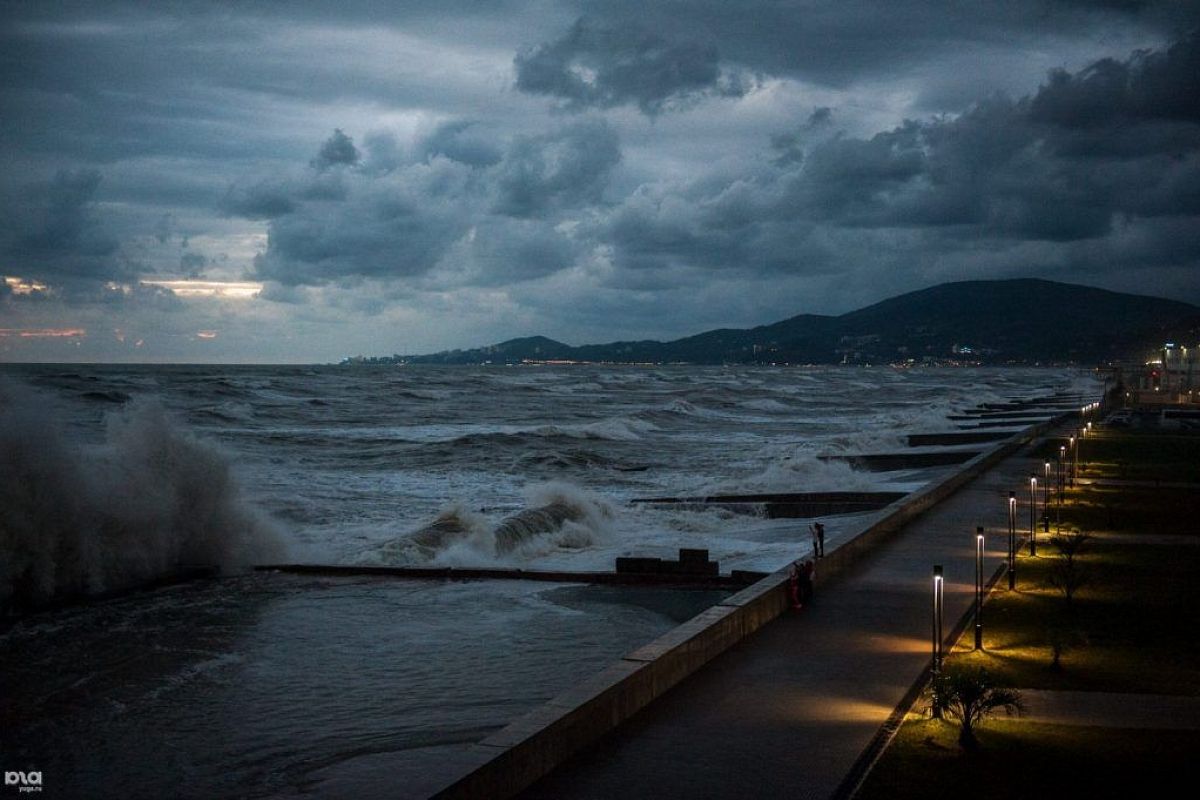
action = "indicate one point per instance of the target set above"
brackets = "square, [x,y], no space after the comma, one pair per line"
[151,498]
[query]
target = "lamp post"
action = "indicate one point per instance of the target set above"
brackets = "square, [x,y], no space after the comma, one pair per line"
[1012,540]
[1079,451]
[937,618]
[1074,458]
[979,587]
[1046,501]
[937,628]
[1033,515]
[1058,506]
[1062,460]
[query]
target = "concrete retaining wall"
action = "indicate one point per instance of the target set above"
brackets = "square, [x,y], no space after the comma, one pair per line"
[516,756]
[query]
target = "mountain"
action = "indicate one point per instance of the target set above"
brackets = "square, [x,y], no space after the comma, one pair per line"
[1006,321]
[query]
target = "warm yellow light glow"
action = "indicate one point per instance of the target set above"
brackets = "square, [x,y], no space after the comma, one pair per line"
[41,333]
[230,290]
[24,285]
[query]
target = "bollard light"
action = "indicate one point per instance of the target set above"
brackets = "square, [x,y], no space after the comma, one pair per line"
[979,588]
[1012,540]
[1032,515]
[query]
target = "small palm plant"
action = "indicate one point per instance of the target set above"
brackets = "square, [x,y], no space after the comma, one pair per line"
[970,696]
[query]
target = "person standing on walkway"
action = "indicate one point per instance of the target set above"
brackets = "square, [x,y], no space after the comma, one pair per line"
[808,574]
[818,539]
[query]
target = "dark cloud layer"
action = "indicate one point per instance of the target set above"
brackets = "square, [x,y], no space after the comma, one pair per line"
[57,233]
[400,222]
[1083,159]
[839,42]
[337,150]
[565,168]
[595,65]
[720,163]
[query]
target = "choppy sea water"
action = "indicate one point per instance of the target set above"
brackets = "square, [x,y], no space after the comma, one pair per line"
[261,684]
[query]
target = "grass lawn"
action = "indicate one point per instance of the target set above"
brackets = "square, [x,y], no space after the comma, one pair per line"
[1134,455]
[1026,760]
[1132,628]
[1134,622]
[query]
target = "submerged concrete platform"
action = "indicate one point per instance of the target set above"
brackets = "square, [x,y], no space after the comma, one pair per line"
[734,580]
[793,505]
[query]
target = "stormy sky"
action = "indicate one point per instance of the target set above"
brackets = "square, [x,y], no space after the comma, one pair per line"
[299,181]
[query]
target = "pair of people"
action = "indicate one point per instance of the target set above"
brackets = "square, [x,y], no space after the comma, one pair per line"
[801,579]
[818,539]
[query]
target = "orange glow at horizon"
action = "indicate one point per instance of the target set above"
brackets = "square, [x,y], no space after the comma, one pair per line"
[24,285]
[232,290]
[41,333]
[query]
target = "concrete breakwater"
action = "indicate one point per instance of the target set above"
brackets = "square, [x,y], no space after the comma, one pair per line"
[708,578]
[792,505]
[513,758]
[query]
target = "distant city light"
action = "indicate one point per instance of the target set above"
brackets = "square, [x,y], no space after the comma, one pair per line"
[24,285]
[42,333]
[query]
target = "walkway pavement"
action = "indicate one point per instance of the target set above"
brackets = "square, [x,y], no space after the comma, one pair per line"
[788,711]
[1112,710]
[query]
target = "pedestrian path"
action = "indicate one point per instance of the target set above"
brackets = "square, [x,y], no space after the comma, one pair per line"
[789,711]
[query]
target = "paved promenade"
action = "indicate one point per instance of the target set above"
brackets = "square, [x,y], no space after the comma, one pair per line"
[788,711]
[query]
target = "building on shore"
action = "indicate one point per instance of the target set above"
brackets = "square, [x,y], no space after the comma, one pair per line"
[1172,377]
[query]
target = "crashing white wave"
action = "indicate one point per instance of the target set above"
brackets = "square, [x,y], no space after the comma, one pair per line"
[147,501]
[556,517]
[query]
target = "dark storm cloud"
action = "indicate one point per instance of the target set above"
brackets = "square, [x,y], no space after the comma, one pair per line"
[337,150]
[56,232]
[1042,171]
[564,168]
[263,199]
[391,230]
[1124,109]
[456,190]
[596,65]
[192,264]
[461,141]
[503,252]
[838,42]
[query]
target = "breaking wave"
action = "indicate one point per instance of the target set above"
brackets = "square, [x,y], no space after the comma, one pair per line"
[150,499]
[557,516]
[798,471]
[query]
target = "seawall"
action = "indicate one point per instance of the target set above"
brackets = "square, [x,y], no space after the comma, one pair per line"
[516,756]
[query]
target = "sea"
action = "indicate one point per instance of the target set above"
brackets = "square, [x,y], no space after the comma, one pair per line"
[270,684]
